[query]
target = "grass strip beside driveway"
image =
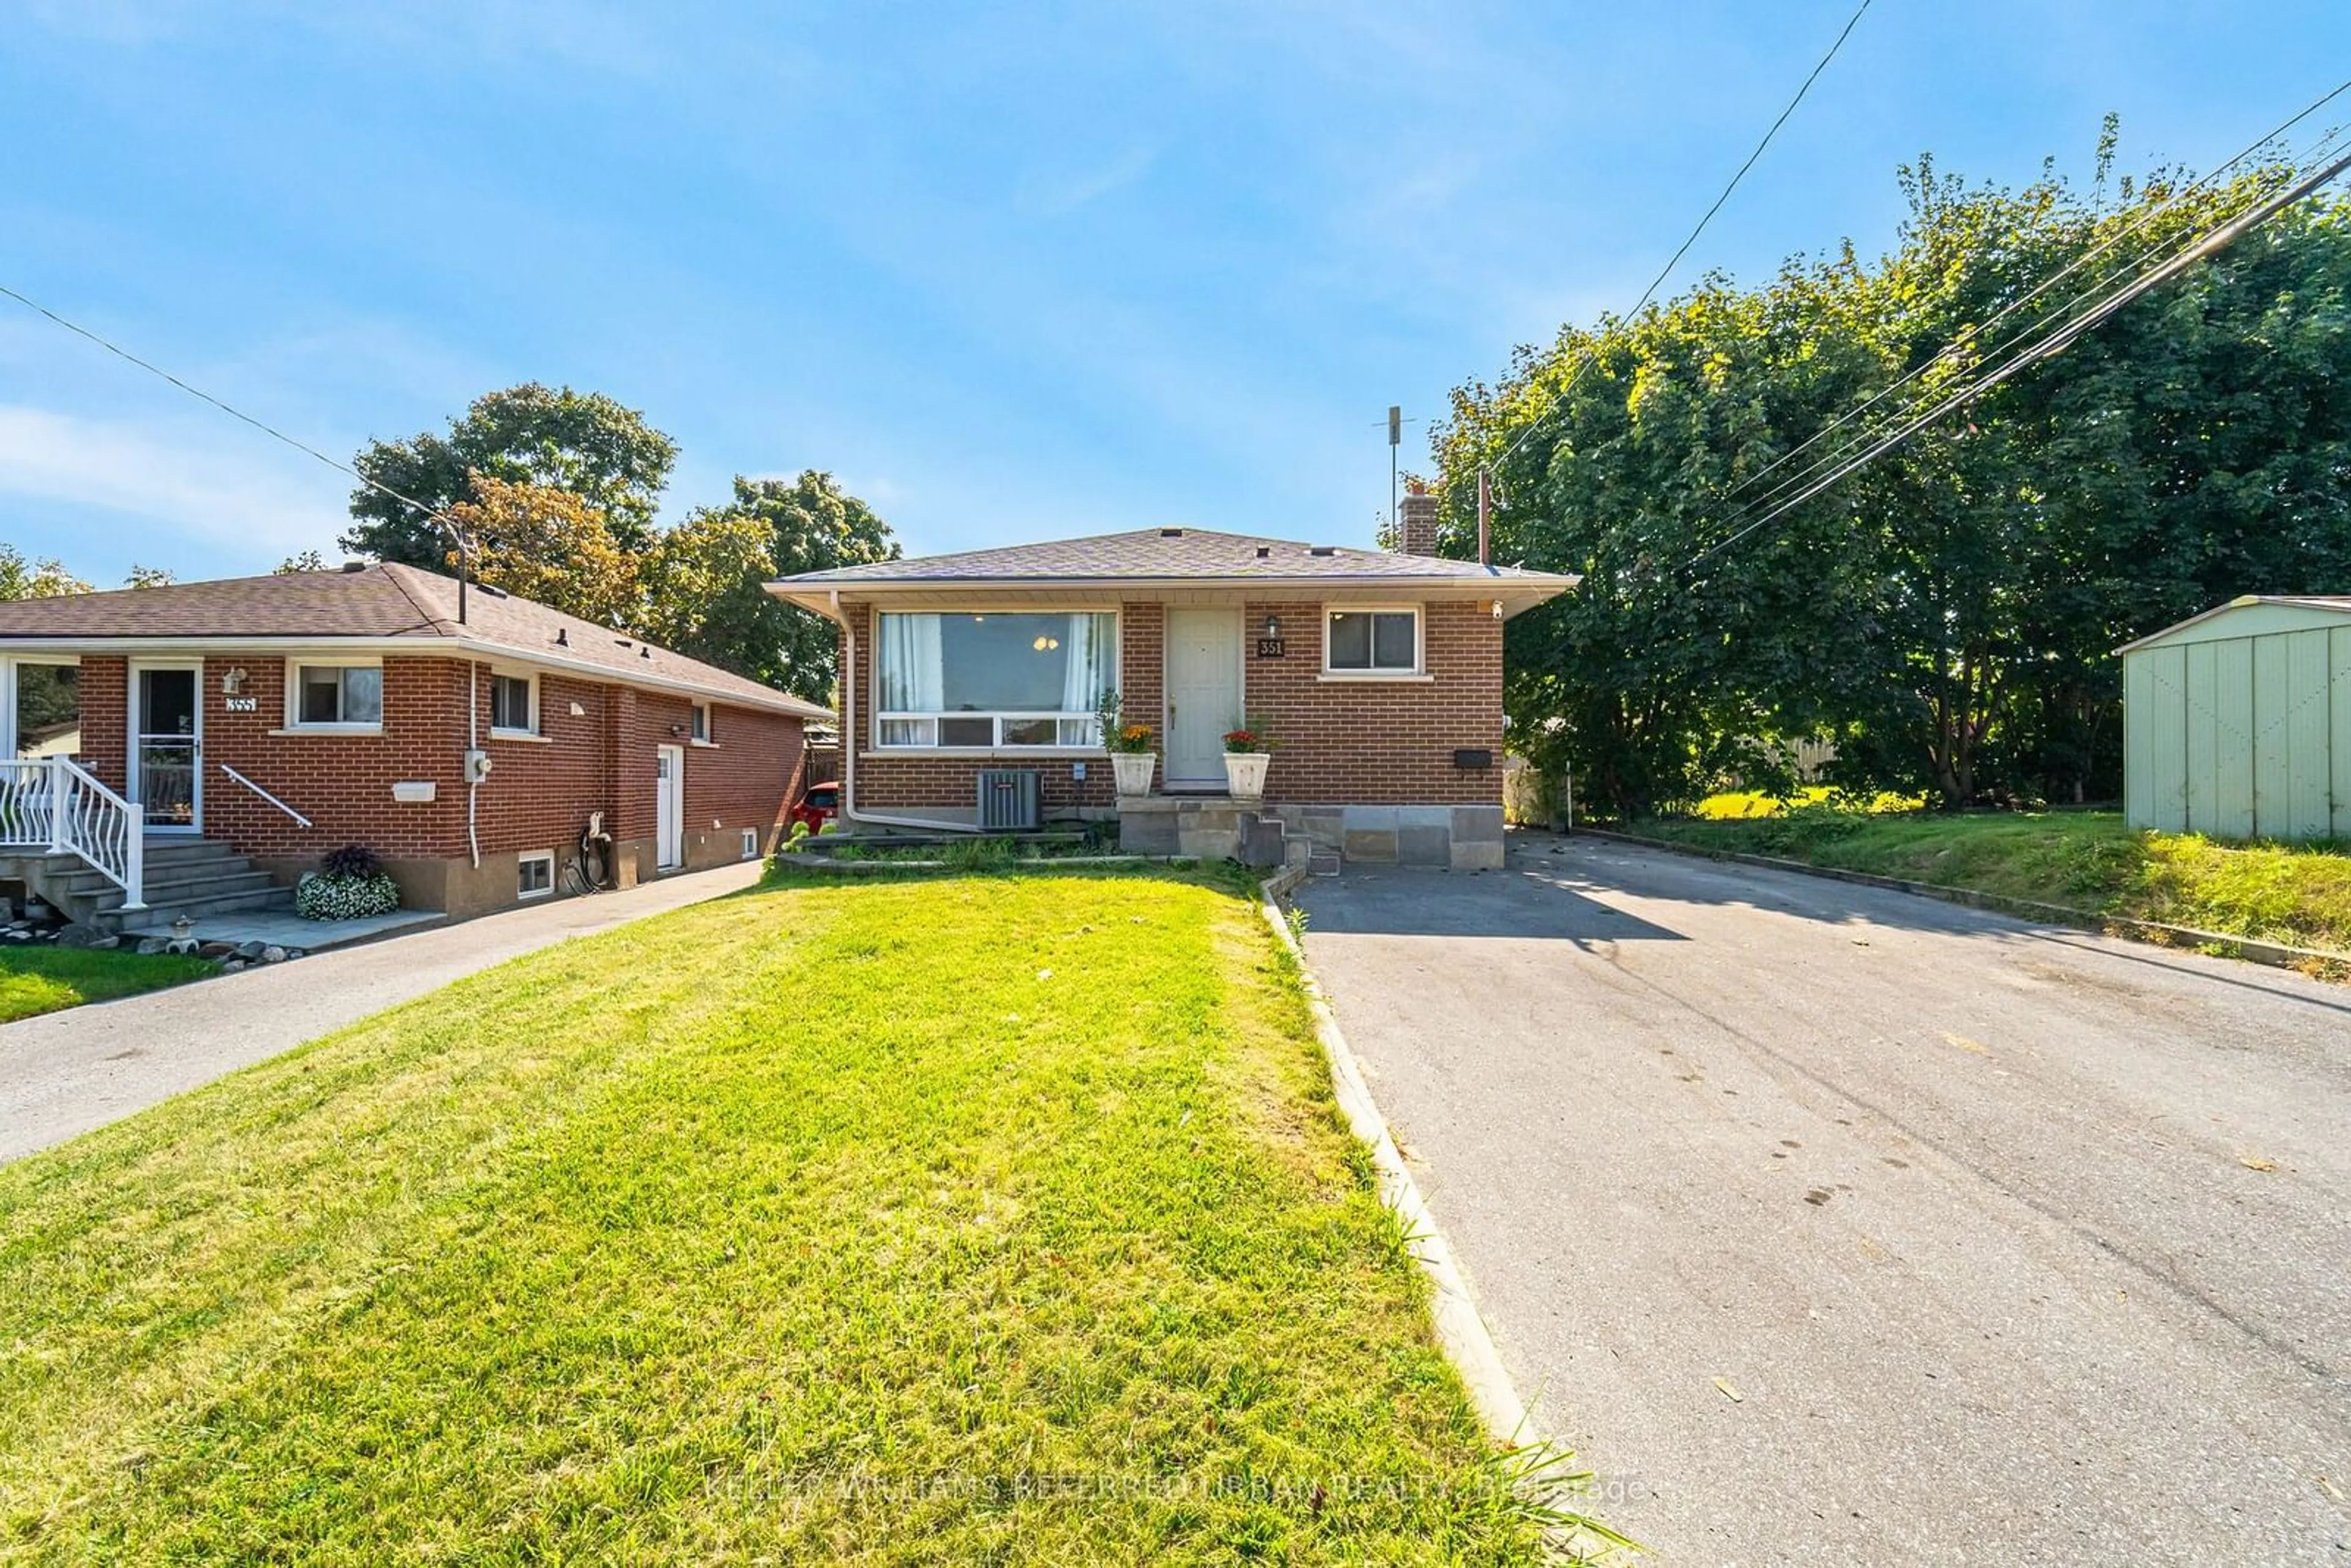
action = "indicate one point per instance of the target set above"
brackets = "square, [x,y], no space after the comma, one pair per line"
[989,1219]
[2089,860]
[46,979]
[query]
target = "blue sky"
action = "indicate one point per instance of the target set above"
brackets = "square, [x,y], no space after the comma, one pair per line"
[1012,271]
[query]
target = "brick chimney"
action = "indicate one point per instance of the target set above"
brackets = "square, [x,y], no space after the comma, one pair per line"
[1416,521]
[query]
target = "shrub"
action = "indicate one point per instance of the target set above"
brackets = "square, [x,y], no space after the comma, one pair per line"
[351,860]
[332,898]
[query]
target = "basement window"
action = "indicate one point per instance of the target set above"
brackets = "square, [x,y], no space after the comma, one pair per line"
[535,874]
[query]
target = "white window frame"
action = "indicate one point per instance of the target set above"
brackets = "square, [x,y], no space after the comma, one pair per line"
[1419,670]
[529,678]
[296,663]
[877,717]
[750,843]
[702,726]
[535,857]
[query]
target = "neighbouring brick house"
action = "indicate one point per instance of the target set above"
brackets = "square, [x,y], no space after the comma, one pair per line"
[285,716]
[1378,675]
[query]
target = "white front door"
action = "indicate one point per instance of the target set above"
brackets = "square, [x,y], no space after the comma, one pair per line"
[1204,694]
[669,807]
[167,744]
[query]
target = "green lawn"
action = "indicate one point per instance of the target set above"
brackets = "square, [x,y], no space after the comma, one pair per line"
[2089,860]
[41,979]
[995,1220]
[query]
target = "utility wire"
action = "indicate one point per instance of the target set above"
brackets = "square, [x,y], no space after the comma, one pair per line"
[1674,260]
[1968,338]
[2206,247]
[1994,356]
[434,513]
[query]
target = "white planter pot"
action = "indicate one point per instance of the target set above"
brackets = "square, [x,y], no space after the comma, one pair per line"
[1133,771]
[1245,774]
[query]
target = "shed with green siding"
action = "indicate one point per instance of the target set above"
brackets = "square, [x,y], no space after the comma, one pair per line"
[2238,723]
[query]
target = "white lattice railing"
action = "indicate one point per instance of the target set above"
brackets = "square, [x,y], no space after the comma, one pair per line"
[56,803]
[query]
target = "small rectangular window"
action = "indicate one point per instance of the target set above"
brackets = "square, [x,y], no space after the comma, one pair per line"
[1373,642]
[510,704]
[967,732]
[750,843]
[338,694]
[535,874]
[701,722]
[1031,731]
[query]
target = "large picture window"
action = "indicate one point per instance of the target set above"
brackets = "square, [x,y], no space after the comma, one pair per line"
[994,680]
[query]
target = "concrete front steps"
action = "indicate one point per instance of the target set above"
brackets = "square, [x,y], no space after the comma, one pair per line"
[195,879]
[1318,837]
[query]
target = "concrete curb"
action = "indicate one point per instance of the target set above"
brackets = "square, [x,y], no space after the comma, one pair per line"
[1460,1330]
[2276,954]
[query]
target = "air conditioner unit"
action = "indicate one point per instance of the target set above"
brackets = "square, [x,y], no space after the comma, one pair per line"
[1008,799]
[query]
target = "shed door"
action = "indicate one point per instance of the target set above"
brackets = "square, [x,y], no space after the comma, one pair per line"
[1204,693]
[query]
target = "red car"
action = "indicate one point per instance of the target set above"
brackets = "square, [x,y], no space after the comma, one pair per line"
[821,805]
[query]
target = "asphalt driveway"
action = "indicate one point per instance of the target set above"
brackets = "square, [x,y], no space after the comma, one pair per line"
[1834,1226]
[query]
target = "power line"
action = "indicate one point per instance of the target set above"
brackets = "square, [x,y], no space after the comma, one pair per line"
[434,513]
[2204,248]
[1966,338]
[1951,350]
[1674,260]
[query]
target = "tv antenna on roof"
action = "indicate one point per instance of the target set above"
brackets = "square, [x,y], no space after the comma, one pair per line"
[1397,421]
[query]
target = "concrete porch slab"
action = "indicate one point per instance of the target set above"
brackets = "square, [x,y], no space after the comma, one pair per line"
[280,928]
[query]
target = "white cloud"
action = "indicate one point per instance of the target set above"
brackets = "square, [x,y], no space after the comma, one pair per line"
[199,484]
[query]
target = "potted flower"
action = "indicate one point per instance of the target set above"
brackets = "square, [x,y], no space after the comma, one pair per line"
[1129,744]
[1247,752]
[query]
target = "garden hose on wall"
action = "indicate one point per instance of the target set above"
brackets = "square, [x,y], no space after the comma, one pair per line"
[592,868]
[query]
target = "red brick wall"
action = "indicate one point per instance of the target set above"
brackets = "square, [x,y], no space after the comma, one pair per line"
[1380,742]
[538,793]
[1340,742]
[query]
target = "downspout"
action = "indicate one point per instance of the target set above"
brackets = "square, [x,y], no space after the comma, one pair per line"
[473,744]
[849,723]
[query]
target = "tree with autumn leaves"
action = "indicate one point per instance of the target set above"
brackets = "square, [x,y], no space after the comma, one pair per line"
[555,493]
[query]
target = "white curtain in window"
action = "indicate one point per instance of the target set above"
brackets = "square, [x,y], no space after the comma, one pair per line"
[914,676]
[1093,664]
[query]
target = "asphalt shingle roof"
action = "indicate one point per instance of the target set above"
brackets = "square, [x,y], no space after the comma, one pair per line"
[383,601]
[1169,554]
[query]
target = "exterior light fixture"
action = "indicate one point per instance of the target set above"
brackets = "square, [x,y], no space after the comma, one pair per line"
[234,682]
[1273,626]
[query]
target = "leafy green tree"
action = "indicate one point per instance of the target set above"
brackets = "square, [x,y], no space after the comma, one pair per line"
[150,577]
[23,578]
[308,560]
[1948,613]
[705,579]
[552,438]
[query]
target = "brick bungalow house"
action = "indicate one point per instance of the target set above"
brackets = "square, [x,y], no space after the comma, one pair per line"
[248,725]
[1378,674]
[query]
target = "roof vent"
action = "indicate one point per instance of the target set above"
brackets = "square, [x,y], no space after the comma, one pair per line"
[645,652]
[1171,533]
[1263,552]
[350,566]
[563,636]
[1322,549]
[492,593]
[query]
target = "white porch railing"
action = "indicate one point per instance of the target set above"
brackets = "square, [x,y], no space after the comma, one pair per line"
[58,805]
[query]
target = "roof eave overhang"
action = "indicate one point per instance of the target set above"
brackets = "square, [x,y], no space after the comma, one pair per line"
[1516,592]
[422,647]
